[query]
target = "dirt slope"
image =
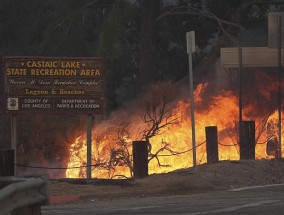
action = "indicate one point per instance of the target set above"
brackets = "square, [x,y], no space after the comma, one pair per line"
[223,175]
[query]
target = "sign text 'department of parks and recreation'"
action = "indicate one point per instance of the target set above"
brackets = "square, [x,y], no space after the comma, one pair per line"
[54,85]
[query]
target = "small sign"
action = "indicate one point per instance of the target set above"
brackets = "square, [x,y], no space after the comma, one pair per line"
[190,41]
[54,85]
[13,104]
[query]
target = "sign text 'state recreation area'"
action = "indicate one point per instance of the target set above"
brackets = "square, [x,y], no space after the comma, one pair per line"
[55,85]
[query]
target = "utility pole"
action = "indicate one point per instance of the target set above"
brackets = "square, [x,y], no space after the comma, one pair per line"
[190,39]
[279,150]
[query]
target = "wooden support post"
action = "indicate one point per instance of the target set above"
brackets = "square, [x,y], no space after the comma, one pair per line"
[7,163]
[140,159]
[89,146]
[211,144]
[247,140]
[14,142]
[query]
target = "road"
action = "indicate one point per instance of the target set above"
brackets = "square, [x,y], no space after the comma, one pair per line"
[260,200]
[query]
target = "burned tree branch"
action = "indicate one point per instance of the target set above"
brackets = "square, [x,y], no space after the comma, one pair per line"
[165,147]
[262,127]
[119,154]
[157,113]
[157,121]
[188,10]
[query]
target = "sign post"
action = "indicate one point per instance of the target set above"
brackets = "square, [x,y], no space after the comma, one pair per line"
[190,38]
[271,56]
[89,145]
[54,85]
[14,141]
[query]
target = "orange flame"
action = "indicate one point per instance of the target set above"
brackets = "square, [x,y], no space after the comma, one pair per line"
[222,112]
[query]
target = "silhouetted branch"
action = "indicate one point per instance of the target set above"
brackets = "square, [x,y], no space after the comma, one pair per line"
[188,10]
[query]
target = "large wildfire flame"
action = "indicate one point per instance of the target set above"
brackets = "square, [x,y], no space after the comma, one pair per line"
[221,110]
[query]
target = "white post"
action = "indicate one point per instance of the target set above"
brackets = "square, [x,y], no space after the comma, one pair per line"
[190,39]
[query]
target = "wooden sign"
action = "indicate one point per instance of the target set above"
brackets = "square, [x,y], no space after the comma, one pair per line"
[54,85]
[251,57]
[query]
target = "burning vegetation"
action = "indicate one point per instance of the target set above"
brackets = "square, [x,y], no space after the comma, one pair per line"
[163,118]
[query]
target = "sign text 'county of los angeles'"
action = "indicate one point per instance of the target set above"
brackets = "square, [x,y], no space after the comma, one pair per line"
[55,85]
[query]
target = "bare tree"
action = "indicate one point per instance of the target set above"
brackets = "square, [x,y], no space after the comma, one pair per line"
[120,154]
[158,115]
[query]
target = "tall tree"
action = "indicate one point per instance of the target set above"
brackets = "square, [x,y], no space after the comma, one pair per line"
[148,41]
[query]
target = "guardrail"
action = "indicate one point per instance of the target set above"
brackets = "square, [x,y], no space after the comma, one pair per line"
[19,192]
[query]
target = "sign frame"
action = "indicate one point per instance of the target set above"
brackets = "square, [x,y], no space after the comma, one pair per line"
[39,84]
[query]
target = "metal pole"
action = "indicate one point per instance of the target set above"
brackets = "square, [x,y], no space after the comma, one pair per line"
[89,146]
[14,141]
[279,88]
[190,48]
[240,93]
[241,85]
